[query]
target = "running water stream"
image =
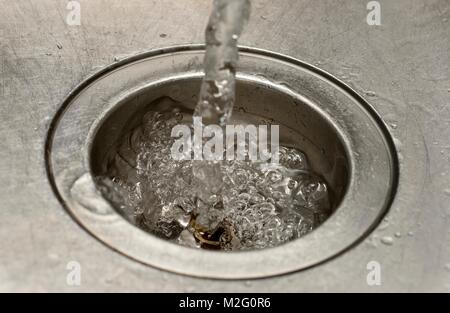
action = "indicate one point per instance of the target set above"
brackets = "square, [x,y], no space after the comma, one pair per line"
[217,94]
[217,97]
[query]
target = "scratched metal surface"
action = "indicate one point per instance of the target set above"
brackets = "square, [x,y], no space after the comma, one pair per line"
[401,67]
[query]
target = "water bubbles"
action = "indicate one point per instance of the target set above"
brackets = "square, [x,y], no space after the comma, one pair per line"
[168,227]
[313,190]
[292,184]
[274,176]
[293,159]
[255,199]
[178,116]
[254,205]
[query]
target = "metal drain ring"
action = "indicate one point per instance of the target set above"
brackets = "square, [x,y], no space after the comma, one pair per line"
[371,153]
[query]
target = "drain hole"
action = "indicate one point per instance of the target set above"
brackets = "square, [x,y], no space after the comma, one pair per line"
[261,205]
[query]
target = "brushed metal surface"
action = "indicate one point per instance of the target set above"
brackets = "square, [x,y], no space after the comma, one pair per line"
[401,66]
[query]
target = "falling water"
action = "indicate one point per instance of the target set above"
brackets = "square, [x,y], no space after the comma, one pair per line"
[225,26]
[217,94]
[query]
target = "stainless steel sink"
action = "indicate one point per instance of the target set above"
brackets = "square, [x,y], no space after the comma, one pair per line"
[385,100]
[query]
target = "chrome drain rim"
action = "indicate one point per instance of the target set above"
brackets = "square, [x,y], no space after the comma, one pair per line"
[374,168]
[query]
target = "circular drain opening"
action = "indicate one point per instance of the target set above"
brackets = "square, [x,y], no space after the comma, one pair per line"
[129,169]
[339,132]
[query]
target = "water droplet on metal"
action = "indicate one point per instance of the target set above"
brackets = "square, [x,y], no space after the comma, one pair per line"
[389,241]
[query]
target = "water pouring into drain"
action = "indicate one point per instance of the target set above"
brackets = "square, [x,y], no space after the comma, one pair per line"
[124,141]
[228,204]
